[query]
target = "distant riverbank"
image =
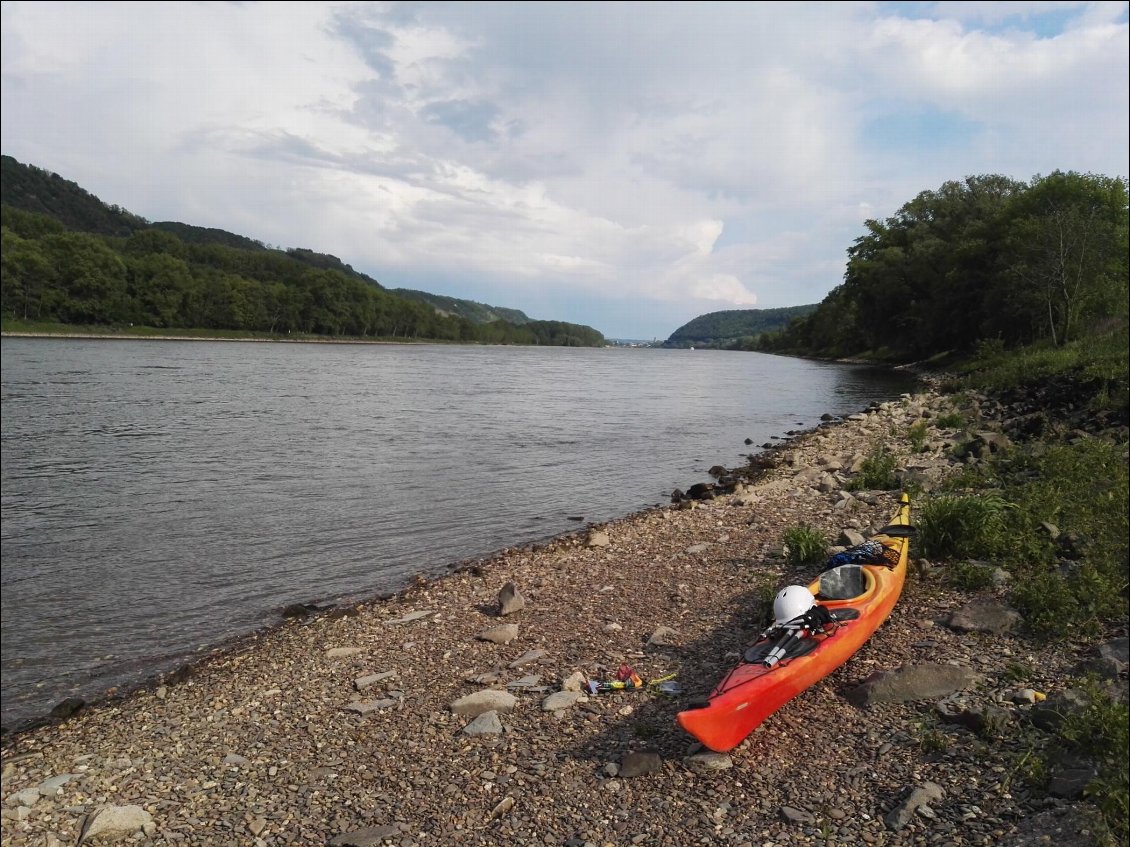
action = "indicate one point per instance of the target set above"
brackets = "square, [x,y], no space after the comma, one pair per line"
[125,336]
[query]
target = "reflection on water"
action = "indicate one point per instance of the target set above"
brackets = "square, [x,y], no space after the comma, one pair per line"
[162,496]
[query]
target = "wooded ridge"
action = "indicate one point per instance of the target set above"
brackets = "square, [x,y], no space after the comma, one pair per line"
[734,328]
[69,258]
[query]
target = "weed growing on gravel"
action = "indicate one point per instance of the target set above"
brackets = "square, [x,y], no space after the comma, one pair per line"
[805,545]
[931,739]
[950,420]
[1017,672]
[1101,733]
[963,526]
[918,433]
[877,473]
[1067,533]
[763,604]
[970,575]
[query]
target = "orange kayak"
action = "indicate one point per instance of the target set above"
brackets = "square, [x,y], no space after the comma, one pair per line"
[858,599]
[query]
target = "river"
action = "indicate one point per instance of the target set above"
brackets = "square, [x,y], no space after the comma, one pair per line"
[161,497]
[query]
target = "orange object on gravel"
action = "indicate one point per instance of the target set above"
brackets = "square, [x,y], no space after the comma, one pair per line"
[857,597]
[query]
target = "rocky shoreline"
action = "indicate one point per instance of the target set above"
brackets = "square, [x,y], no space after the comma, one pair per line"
[455,712]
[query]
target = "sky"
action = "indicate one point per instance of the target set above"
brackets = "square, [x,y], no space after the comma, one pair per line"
[627,166]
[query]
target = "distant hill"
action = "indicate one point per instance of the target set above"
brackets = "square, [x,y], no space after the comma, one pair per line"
[36,190]
[190,234]
[478,313]
[71,259]
[729,328]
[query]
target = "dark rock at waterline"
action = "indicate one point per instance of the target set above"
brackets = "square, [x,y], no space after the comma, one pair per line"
[66,708]
[301,610]
[701,491]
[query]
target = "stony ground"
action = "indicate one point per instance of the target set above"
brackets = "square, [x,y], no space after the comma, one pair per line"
[275,742]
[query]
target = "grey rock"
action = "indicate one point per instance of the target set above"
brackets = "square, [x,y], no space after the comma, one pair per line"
[488,723]
[501,634]
[510,599]
[369,680]
[984,616]
[663,636]
[115,822]
[1070,783]
[489,699]
[912,682]
[527,658]
[370,836]
[797,816]
[559,700]
[640,763]
[54,786]
[708,761]
[903,813]
[598,538]
[1117,649]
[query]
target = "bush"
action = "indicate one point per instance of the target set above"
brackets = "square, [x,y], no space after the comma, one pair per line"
[950,420]
[1101,733]
[917,434]
[876,473]
[805,545]
[963,526]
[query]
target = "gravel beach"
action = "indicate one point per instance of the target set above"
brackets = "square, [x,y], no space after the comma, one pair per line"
[347,727]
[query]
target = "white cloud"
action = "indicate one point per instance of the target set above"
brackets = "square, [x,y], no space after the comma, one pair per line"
[672,156]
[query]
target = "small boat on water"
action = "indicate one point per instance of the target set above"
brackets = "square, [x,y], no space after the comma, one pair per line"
[838,612]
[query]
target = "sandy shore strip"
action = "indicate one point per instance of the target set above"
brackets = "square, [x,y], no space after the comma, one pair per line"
[345,728]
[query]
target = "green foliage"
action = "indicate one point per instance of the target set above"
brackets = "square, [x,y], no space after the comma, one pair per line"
[1017,672]
[931,739]
[917,434]
[805,545]
[734,327]
[877,473]
[762,605]
[963,526]
[1101,733]
[984,258]
[970,575]
[950,420]
[41,192]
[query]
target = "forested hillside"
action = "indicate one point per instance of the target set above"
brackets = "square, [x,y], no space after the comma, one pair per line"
[479,313]
[735,328]
[987,259]
[69,258]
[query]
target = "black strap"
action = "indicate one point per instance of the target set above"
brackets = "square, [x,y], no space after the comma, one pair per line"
[898,531]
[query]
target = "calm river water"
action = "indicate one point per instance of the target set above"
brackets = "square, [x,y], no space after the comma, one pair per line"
[162,496]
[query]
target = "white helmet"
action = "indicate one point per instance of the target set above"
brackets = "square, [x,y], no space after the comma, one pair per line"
[792,602]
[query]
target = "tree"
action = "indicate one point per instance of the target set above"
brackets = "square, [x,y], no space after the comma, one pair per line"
[1069,241]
